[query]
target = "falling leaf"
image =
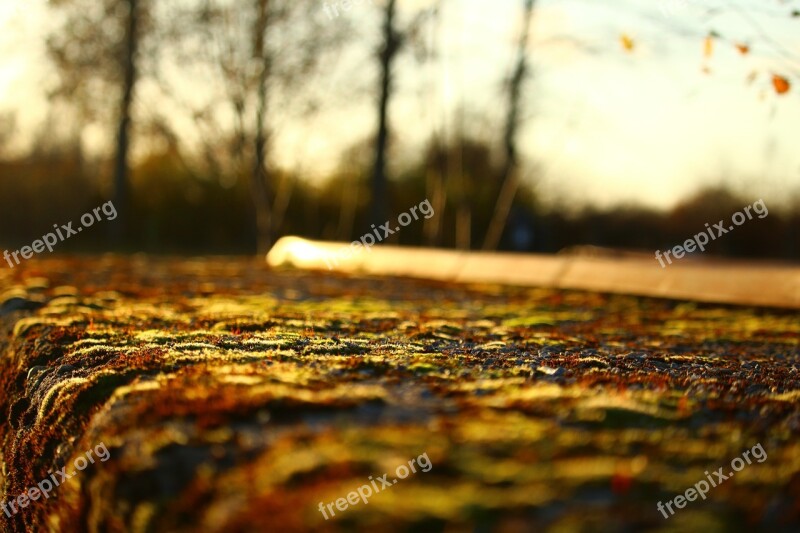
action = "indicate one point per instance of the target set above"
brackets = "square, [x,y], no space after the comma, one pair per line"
[708,46]
[780,83]
[627,42]
[751,77]
[743,48]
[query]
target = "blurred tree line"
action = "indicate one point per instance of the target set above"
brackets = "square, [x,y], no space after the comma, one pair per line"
[259,64]
[178,210]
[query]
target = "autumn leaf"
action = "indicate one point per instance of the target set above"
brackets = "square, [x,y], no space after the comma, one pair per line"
[780,83]
[708,46]
[743,48]
[751,77]
[627,42]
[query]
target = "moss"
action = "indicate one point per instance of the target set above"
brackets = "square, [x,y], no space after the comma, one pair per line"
[243,407]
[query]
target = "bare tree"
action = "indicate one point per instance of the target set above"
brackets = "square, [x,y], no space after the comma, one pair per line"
[260,178]
[391,45]
[130,75]
[98,47]
[264,52]
[393,41]
[436,166]
[510,174]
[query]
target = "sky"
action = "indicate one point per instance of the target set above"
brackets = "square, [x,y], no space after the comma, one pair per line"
[603,125]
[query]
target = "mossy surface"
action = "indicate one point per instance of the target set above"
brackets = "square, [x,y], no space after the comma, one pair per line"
[234,398]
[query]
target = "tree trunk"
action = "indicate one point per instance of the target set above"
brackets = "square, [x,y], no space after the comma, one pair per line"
[438,196]
[463,206]
[509,178]
[260,178]
[348,207]
[121,170]
[463,186]
[387,55]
